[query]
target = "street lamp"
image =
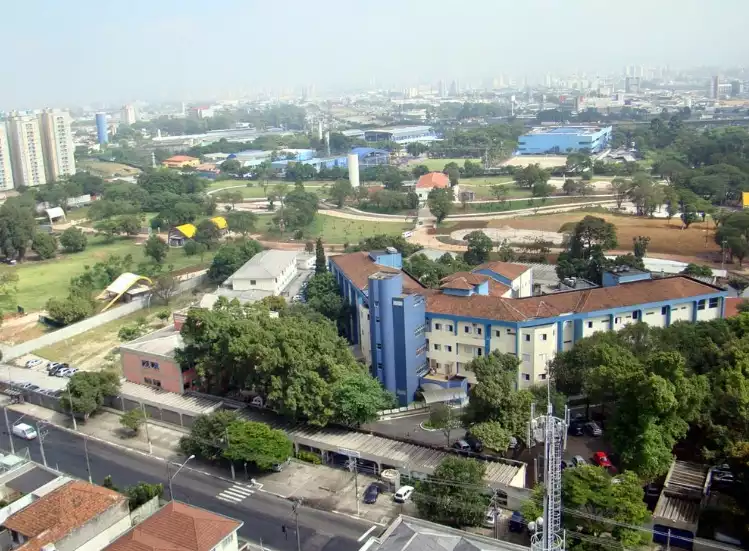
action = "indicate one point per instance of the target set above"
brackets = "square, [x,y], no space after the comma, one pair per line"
[171,493]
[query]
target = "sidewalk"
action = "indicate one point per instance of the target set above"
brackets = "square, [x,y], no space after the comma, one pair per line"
[319,486]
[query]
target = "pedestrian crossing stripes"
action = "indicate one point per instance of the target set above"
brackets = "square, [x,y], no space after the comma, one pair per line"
[236,493]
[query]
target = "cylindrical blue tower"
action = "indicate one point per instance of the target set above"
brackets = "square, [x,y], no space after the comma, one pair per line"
[101,128]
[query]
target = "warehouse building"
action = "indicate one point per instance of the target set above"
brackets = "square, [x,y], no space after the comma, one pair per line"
[561,140]
[402,135]
[419,341]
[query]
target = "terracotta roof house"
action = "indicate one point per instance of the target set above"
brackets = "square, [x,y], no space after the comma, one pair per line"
[181,527]
[432,180]
[420,342]
[74,515]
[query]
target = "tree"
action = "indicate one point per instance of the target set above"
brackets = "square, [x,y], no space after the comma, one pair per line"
[542,189]
[528,176]
[440,203]
[479,247]
[241,222]
[453,174]
[45,245]
[230,257]
[499,191]
[87,389]
[165,287]
[640,244]
[323,295]
[134,419]
[453,495]
[697,270]
[8,292]
[492,435]
[340,191]
[252,442]
[620,188]
[419,170]
[142,493]
[73,240]
[208,435]
[232,166]
[69,310]
[207,233]
[359,399]
[321,264]
[156,249]
[442,417]
[17,227]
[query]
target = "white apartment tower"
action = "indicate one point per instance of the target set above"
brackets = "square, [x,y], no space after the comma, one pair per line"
[25,138]
[6,172]
[127,115]
[57,144]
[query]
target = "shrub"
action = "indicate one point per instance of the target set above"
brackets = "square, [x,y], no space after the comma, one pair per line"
[309,457]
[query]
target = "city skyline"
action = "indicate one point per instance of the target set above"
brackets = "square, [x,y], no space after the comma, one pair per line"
[166,50]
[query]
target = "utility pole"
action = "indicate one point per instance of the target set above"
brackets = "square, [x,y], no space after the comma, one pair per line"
[41,436]
[295,508]
[231,463]
[495,513]
[10,433]
[145,423]
[354,466]
[88,465]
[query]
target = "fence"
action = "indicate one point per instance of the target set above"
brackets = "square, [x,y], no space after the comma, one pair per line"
[91,323]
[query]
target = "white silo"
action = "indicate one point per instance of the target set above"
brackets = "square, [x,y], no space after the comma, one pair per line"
[353,169]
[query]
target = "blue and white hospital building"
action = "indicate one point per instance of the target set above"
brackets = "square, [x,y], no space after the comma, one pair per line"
[561,140]
[419,339]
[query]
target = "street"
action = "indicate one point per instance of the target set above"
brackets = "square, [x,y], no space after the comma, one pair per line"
[264,515]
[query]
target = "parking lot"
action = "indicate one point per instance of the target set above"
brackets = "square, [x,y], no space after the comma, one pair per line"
[36,375]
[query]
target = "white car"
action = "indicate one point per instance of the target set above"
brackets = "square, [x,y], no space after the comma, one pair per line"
[63,372]
[490,517]
[33,363]
[22,430]
[403,494]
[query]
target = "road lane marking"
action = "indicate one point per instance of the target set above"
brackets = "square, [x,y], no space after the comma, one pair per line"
[365,534]
[236,493]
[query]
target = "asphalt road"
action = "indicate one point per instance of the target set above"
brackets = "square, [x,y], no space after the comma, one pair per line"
[264,515]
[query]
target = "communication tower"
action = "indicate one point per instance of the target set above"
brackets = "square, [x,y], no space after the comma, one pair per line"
[552,433]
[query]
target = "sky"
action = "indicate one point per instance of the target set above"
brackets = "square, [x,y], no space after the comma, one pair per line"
[88,52]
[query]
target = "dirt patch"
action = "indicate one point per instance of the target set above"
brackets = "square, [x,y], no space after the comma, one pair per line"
[546,161]
[18,328]
[665,238]
[513,235]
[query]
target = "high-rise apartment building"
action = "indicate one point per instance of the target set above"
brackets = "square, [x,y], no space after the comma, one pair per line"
[26,151]
[127,115]
[57,143]
[6,171]
[714,87]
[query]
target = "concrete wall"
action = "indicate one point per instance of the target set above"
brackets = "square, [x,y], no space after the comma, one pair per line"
[98,320]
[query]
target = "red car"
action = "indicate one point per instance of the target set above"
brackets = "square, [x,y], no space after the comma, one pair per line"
[601,459]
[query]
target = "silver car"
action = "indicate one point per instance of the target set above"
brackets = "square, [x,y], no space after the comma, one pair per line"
[578,461]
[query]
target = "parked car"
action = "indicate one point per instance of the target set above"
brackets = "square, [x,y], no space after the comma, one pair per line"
[70,371]
[593,429]
[513,443]
[490,518]
[722,474]
[61,371]
[461,445]
[403,494]
[371,493]
[33,363]
[578,461]
[517,522]
[601,459]
[475,443]
[22,430]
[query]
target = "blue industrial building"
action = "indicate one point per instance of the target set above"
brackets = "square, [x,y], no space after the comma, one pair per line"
[419,342]
[102,130]
[561,140]
[369,156]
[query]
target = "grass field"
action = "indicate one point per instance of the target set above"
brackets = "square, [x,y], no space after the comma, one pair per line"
[439,164]
[257,192]
[518,204]
[340,230]
[38,281]
[106,169]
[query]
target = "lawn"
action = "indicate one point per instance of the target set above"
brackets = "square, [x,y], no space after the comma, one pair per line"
[340,230]
[105,169]
[76,214]
[518,204]
[38,281]
[439,164]
[256,190]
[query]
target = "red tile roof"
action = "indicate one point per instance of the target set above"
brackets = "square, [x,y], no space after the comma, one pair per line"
[180,159]
[732,306]
[177,527]
[473,279]
[432,180]
[57,514]
[359,266]
[589,300]
[506,269]
[458,283]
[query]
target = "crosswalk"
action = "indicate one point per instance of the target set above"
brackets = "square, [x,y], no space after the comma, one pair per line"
[236,493]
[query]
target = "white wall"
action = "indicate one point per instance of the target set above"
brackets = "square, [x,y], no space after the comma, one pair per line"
[103,538]
[537,348]
[273,285]
[681,312]
[523,286]
[364,334]
[229,543]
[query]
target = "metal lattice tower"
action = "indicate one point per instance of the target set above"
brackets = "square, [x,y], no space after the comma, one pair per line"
[552,431]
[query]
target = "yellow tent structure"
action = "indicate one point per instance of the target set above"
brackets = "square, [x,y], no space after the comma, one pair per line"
[188,230]
[220,222]
[745,199]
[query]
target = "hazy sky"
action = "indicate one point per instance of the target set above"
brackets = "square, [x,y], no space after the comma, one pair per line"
[82,51]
